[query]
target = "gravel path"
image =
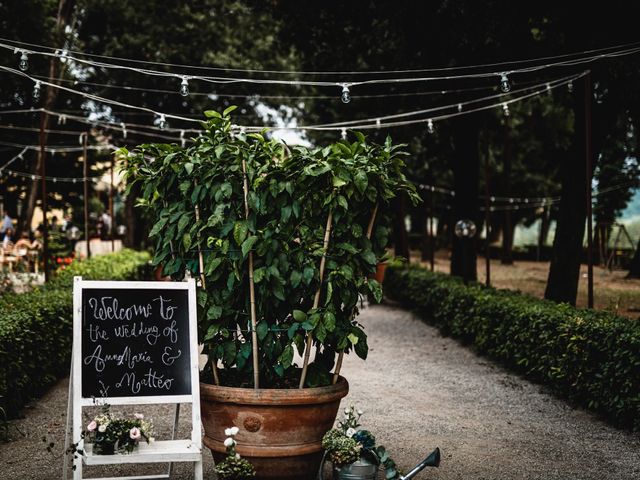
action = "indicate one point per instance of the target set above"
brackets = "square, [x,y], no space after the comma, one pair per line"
[419,390]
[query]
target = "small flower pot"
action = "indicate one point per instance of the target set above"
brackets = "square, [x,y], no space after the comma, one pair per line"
[104,448]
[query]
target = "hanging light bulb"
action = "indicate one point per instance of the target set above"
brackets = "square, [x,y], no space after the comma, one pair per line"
[163,122]
[343,133]
[505,109]
[505,84]
[182,140]
[430,128]
[346,95]
[36,91]
[184,87]
[24,62]
[378,123]
[570,87]
[459,107]
[548,88]
[123,126]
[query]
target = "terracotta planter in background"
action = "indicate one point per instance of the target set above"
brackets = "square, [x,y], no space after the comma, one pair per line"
[380,268]
[281,430]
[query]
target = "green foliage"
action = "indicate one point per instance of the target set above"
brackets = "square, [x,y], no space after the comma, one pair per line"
[232,468]
[591,357]
[340,448]
[36,327]
[291,193]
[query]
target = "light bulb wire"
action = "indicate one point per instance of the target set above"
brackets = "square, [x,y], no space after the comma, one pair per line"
[502,64]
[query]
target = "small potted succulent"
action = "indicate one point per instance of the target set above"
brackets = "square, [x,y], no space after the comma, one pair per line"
[353,452]
[284,243]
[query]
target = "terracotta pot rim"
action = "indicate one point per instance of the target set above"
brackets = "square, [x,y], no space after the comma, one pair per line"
[274,396]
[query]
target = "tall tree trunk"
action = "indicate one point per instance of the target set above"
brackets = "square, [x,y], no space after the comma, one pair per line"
[634,266]
[400,239]
[506,256]
[564,272]
[545,223]
[65,8]
[466,177]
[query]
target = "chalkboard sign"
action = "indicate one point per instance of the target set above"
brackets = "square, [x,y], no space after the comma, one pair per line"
[135,343]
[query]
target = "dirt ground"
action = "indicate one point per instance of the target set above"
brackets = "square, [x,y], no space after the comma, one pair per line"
[418,390]
[612,291]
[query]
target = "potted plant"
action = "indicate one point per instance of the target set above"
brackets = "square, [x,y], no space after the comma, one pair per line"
[110,434]
[283,241]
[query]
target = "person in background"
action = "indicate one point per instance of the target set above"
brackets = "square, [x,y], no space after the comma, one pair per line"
[7,222]
[7,240]
[106,225]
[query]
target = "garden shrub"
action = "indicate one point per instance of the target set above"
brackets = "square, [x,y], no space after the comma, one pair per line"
[591,357]
[36,327]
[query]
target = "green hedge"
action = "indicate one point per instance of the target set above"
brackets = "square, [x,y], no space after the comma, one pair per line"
[591,357]
[36,327]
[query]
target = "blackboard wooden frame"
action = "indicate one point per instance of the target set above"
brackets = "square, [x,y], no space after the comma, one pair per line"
[167,451]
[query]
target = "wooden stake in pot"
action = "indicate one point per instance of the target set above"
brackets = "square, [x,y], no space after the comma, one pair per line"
[336,374]
[252,293]
[316,299]
[214,367]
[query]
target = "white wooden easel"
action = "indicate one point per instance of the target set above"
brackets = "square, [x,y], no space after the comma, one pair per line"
[161,451]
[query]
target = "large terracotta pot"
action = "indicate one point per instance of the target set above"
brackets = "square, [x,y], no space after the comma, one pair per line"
[281,430]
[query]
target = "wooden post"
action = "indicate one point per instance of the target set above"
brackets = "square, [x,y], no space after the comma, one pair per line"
[85,173]
[432,239]
[214,367]
[113,219]
[336,373]
[252,293]
[316,299]
[589,167]
[43,187]
[487,223]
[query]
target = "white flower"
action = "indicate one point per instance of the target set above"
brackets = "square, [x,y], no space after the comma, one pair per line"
[102,428]
[229,442]
[152,439]
[346,411]
[134,433]
[227,432]
[350,432]
[139,416]
[360,412]
[234,430]
[92,426]
[237,455]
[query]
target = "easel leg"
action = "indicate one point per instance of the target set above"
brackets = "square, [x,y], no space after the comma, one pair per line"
[174,431]
[197,473]
[65,458]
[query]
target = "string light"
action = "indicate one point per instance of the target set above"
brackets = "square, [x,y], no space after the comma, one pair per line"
[184,87]
[570,87]
[505,84]
[346,95]
[24,61]
[378,122]
[430,127]
[123,126]
[163,122]
[548,86]
[459,107]
[36,91]
[505,109]
[343,133]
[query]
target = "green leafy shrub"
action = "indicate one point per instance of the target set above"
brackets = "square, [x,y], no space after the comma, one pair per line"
[196,197]
[591,357]
[36,327]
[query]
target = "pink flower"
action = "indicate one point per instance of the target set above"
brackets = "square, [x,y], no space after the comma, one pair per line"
[139,416]
[134,433]
[92,426]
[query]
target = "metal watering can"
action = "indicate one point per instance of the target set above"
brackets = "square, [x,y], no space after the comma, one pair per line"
[365,469]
